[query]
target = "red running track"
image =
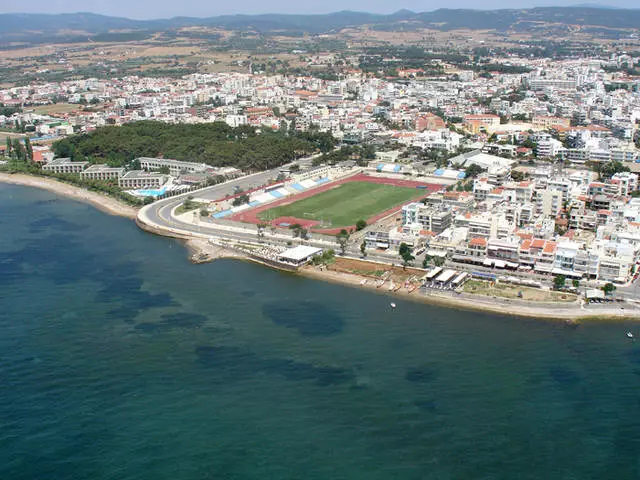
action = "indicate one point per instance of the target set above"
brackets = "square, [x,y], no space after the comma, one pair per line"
[251,216]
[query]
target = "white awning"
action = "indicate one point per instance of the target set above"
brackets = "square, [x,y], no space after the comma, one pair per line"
[566,273]
[500,264]
[488,262]
[542,268]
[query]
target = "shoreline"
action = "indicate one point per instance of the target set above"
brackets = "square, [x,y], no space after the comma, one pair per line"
[201,251]
[100,201]
[569,313]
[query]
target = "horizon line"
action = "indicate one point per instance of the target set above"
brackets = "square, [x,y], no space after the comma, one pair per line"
[401,10]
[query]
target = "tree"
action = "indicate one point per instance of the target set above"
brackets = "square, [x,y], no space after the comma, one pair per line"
[576,283]
[28,149]
[296,229]
[438,261]
[261,228]
[559,282]
[473,171]
[8,149]
[608,170]
[517,176]
[164,170]
[427,260]
[18,150]
[241,200]
[363,248]
[608,288]
[360,224]
[204,212]
[343,240]
[406,254]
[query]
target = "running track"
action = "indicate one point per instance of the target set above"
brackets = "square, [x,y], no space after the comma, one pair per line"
[251,216]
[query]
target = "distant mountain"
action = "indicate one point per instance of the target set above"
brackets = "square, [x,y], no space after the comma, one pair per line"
[36,28]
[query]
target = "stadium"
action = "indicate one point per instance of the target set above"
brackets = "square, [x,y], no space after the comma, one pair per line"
[326,205]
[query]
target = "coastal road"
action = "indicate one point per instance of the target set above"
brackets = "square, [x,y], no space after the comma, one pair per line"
[158,214]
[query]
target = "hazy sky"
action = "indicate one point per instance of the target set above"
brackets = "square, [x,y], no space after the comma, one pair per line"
[203,8]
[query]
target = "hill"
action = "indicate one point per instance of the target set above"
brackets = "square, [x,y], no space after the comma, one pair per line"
[40,28]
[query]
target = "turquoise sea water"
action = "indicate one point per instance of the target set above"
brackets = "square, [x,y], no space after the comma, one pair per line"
[121,360]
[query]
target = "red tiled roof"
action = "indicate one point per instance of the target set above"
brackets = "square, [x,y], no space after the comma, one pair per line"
[538,243]
[478,242]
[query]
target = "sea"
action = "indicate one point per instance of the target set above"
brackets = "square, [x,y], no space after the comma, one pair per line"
[119,359]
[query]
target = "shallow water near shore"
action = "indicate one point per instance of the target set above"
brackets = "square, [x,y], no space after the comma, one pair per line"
[120,359]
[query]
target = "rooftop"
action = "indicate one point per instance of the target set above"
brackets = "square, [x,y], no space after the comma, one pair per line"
[300,253]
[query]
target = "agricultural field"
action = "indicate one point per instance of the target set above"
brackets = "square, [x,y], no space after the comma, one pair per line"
[346,204]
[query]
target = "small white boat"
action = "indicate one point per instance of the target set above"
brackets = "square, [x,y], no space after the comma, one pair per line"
[629,335]
[393,305]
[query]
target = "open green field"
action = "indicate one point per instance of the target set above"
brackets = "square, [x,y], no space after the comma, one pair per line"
[56,108]
[345,205]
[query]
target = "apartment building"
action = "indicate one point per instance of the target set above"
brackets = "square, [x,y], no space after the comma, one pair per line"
[176,167]
[476,123]
[432,218]
[102,172]
[141,179]
[548,202]
[64,165]
[544,122]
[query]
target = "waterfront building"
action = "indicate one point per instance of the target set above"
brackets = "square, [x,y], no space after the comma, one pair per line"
[176,167]
[141,179]
[102,172]
[64,165]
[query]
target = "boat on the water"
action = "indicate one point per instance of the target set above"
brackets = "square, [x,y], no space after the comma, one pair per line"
[629,335]
[393,305]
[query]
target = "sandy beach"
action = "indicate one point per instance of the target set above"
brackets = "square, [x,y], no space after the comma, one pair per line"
[570,312]
[102,202]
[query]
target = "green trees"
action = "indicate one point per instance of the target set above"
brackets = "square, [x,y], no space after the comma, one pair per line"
[261,229]
[28,149]
[299,231]
[608,170]
[18,151]
[241,200]
[363,249]
[212,143]
[406,254]
[343,240]
[428,259]
[327,257]
[473,171]
[360,224]
[559,282]
[608,288]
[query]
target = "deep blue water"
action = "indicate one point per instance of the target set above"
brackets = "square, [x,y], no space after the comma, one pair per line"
[121,360]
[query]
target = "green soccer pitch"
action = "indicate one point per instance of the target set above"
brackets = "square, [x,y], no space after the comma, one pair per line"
[344,205]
